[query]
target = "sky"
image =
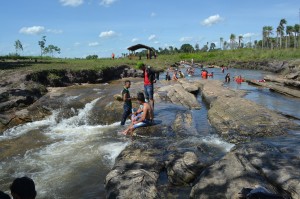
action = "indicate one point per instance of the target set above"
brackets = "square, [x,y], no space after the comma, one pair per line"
[102,27]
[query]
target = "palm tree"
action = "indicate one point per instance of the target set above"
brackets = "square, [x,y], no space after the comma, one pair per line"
[221,43]
[232,40]
[267,31]
[297,32]
[289,32]
[240,40]
[281,30]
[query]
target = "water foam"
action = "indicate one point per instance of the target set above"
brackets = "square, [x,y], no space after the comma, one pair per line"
[216,140]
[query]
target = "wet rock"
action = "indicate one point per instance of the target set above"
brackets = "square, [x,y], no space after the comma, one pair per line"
[250,165]
[278,88]
[135,174]
[238,120]
[284,81]
[212,89]
[184,170]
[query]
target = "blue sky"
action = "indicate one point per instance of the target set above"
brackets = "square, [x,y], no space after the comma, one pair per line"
[102,27]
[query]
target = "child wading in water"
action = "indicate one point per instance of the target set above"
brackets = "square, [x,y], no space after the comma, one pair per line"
[144,119]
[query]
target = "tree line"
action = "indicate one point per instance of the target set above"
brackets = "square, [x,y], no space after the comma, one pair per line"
[287,36]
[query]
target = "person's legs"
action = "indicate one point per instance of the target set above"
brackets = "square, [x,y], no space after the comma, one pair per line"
[126,113]
[146,89]
[151,100]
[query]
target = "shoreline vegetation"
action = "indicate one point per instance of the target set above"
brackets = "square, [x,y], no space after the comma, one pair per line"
[162,62]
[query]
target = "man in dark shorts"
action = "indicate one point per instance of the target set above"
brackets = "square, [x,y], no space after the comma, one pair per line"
[127,102]
[149,80]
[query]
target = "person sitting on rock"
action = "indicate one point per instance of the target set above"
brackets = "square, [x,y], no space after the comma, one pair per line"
[144,120]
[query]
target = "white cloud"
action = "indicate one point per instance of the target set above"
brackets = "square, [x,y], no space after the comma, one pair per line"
[94,44]
[153,14]
[55,31]
[152,37]
[248,35]
[156,42]
[185,39]
[134,40]
[107,3]
[73,3]
[107,34]
[212,20]
[34,30]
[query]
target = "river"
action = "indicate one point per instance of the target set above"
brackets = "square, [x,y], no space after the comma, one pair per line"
[69,155]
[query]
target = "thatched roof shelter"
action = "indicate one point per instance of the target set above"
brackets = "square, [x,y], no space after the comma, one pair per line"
[139,46]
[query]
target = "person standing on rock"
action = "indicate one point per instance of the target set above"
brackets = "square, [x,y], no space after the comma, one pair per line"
[149,80]
[144,119]
[127,102]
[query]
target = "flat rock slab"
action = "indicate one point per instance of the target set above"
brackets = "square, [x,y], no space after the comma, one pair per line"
[238,120]
[179,96]
[284,81]
[212,89]
[249,166]
[277,88]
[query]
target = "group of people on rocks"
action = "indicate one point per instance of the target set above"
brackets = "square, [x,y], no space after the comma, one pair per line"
[145,114]
[21,188]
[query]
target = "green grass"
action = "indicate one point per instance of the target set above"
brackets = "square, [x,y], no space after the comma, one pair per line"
[160,63]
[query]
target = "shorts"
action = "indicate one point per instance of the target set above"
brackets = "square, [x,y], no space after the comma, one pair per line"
[135,117]
[143,123]
[148,91]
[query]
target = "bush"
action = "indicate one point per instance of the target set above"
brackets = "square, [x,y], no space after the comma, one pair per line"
[139,65]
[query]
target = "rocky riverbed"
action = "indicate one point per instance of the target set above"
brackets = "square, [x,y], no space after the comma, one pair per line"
[194,169]
[168,160]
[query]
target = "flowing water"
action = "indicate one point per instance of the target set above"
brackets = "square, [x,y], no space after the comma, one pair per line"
[69,155]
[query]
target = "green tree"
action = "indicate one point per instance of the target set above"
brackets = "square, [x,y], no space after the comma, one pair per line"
[280,30]
[186,48]
[51,49]
[212,46]
[289,34]
[232,41]
[42,45]
[267,31]
[240,41]
[18,46]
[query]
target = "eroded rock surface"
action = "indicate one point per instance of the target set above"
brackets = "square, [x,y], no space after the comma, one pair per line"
[248,166]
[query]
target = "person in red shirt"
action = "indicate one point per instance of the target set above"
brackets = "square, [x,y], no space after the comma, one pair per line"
[149,80]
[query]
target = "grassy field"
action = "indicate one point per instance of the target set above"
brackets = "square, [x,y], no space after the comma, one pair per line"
[161,62]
